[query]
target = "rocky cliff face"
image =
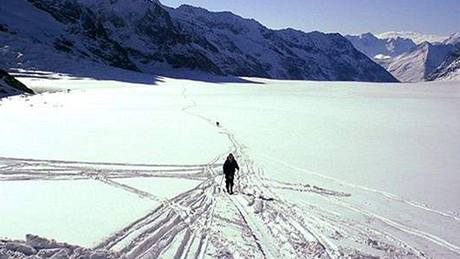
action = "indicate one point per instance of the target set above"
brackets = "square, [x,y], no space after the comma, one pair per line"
[146,36]
[245,47]
[10,86]
[449,68]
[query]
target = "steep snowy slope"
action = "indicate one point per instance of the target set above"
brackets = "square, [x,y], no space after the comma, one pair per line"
[32,38]
[25,29]
[453,39]
[377,48]
[145,36]
[277,54]
[10,86]
[405,60]
[449,69]
[416,64]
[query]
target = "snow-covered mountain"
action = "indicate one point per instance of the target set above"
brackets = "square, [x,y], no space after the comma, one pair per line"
[453,39]
[10,86]
[449,69]
[377,48]
[407,61]
[146,36]
[418,63]
[414,36]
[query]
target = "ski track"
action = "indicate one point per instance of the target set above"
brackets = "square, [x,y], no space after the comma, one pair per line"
[187,225]
[385,194]
[409,230]
[278,209]
[256,184]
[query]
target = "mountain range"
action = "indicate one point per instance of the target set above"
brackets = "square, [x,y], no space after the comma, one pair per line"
[378,48]
[409,61]
[143,35]
[416,37]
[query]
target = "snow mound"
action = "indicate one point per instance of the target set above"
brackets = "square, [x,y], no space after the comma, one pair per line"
[39,247]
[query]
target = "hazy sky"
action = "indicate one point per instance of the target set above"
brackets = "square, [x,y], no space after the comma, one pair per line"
[440,17]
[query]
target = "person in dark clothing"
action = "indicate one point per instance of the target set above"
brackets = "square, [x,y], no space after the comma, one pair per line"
[230,166]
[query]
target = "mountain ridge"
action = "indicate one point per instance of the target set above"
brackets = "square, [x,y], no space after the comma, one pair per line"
[418,63]
[404,59]
[378,48]
[416,37]
[450,67]
[148,36]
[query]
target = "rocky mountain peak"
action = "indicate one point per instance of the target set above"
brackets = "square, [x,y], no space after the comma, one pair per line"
[145,36]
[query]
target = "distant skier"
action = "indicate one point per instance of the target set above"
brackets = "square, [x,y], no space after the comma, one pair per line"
[217,124]
[230,166]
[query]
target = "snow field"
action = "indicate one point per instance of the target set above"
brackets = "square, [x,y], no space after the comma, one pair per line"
[329,170]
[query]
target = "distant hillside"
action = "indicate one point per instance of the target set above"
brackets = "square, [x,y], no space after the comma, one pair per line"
[418,63]
[409,62]
[377,48]
[453,39]
[449,69]
[416,37]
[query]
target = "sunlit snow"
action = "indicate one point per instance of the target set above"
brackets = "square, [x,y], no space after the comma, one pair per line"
[328,168]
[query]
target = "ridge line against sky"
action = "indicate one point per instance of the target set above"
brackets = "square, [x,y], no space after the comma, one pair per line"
[439,17]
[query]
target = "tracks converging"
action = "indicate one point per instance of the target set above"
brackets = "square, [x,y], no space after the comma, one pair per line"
[257,222]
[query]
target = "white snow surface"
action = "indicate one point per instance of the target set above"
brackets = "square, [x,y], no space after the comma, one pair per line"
[78,211]
[328,169]
[139,124]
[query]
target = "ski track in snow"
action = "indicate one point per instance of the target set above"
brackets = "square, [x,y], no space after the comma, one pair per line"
[190,225]
[385,194]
